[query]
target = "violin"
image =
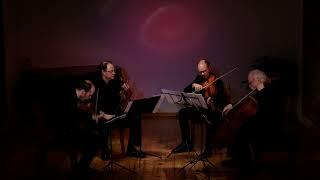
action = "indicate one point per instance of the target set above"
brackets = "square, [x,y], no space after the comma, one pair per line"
[86,106]
[209,87]
[90,108]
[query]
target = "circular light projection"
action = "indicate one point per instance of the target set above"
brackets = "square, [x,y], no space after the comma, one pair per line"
[173,28]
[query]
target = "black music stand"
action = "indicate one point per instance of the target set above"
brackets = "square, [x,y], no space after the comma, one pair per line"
[109,166]
[197,102]
[145,105]
[178,98]
[202,157]
[109,122]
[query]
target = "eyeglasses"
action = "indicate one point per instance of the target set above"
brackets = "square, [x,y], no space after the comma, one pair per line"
[202,72]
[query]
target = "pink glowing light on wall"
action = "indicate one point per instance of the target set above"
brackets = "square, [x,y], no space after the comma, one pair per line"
[173,28]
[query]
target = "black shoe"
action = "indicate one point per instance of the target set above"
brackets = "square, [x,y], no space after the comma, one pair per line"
[183,147]
[133,152]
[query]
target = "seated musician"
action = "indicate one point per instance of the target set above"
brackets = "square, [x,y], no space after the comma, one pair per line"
[216,96]
[260,131]
[112,92]
[81,127]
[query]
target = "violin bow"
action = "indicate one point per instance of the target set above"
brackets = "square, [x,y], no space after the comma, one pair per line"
[243,98]
[224,74]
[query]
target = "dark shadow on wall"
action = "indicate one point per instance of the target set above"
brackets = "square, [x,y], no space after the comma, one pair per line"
[40,95]
[283,73]
[310,63]
[3,107]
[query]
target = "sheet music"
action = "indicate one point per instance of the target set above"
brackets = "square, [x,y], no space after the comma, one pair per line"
[196,99]
[173,97]
[177,97]
[157,106]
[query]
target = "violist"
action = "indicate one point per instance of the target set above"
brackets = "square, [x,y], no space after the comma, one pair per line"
[217,98]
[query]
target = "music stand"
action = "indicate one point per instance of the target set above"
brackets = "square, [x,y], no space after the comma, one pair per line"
[197,102]
[109,123]
[176,97]
[145,105]
[109,167]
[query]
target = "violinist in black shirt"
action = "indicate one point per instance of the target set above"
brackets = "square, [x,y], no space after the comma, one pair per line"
[81,126]
[217,98]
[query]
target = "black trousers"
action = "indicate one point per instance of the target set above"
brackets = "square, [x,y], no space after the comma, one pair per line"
[89,141]
[132,121]
[191,113]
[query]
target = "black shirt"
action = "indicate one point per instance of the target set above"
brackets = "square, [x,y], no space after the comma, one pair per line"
[76,118]
[108,95]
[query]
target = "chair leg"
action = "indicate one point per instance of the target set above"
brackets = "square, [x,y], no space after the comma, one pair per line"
[122,141]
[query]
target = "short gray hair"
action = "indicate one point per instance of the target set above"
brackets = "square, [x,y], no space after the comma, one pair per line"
[260,75]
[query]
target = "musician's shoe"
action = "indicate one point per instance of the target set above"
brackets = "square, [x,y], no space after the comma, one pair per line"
[133,152]
[183,147]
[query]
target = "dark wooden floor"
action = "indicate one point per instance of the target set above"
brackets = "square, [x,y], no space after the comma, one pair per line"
[160,134]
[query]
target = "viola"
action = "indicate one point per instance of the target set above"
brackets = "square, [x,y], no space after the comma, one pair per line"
[209,87]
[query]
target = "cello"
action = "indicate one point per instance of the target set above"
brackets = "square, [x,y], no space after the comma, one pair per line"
[234,119]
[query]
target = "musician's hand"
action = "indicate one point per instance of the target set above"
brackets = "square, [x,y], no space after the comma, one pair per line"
[125,86]
[103,115]
[107,116]
[197,87]
[96,117]
[227,108]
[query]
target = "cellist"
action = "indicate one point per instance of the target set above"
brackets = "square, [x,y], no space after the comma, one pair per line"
[217,98]
[262,129]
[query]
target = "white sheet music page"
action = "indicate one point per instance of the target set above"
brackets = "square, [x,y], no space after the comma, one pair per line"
[158,105]
[196,99]
[177,97]
[173,97]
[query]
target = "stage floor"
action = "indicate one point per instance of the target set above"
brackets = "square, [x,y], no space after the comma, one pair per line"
[159,135]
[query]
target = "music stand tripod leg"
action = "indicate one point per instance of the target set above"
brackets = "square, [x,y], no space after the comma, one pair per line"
[109,167]
[200,157]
